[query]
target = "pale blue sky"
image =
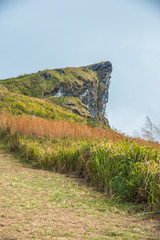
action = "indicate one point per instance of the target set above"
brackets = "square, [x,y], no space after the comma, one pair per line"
[40,34]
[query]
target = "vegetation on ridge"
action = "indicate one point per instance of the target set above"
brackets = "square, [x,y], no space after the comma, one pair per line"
[43,82]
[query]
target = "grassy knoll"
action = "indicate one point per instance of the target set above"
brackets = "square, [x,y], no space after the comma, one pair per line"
[37,204]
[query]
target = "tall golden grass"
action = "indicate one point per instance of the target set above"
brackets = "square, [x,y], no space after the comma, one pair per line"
[54,129]
[58,129]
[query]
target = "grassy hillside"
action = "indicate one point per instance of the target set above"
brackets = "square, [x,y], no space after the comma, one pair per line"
[43,82]
[90,84]
[124,167]
[18,104]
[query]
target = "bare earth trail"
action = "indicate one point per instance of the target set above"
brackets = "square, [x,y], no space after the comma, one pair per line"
[37,204]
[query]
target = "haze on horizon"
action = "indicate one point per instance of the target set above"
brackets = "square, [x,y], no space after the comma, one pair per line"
[47,34]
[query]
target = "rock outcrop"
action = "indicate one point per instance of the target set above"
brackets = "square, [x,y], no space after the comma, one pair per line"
[92,92]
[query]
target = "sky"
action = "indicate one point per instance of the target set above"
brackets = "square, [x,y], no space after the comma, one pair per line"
[47,34]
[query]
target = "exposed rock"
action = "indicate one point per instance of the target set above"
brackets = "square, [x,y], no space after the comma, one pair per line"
[73,104]
[94,94]
[60,70]
[46,75]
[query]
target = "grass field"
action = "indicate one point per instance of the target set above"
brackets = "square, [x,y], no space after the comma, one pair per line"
[38,204]
[114,164]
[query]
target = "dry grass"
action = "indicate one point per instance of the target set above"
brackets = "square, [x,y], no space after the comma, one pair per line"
[58,129]
[143,142]
[54,129]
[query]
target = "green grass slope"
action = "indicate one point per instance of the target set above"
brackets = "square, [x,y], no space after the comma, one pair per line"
[43,82]
[18,104]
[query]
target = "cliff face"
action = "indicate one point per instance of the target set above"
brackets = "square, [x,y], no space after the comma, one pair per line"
[103,71]
[92,92]
[89,84]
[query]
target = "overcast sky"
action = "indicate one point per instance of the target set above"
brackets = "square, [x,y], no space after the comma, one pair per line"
[43,34]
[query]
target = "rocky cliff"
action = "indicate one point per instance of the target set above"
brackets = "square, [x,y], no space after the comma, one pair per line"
[93,92]
[89,84]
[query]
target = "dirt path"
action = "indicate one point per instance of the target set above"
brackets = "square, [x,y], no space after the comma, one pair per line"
[37,204]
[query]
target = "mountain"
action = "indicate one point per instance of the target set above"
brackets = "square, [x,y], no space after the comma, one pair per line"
[83,90]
